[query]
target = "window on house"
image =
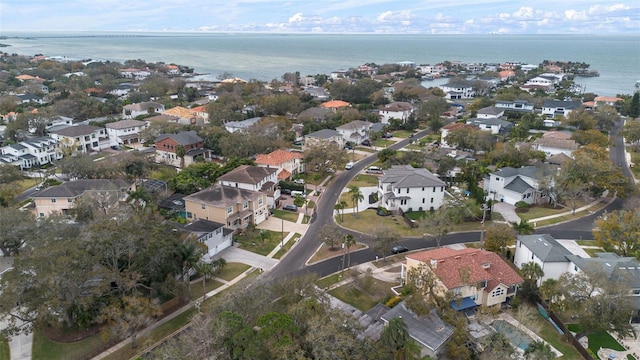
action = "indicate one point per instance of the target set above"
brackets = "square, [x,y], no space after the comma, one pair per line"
[497,292]
[259,201]
[53,200]
[483,284]
[423,199]
[245,205]
[434,189]
[189,215]
[407,190]
[441,188]
[422,189]
[203,206]
[229,210]
[432,200]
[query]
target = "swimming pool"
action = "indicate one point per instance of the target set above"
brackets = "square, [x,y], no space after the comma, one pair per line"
[516,337]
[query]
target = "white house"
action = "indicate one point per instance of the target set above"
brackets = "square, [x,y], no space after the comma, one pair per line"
[214,235]
[287,163]
[254,178]
[490,112]
[30,153]
[83,138]
[125,132]
[493,125]
[233,126]
[545,251]
[458,91]
[356,131]
[511,185]
[145,108]
[136,74]
[516,105]
[398,110]
[553,108]
[553,146]
[410,189]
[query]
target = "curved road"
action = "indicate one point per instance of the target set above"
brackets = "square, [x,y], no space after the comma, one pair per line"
[294,262]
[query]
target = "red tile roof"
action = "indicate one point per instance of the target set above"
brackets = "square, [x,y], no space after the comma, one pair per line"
[275,158]
[283,175]
[456,268]
[334,104]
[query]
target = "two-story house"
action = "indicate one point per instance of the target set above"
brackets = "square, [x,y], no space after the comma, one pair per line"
[254,178]
[356,131]
[493,125]
[234,207]
[522,106]
[167,149]
[553,108]
[81,138]
[324,136]
[215,236]
[61,198]
[456,91]
[474,277]
[490,112]
[29,153]
[398,110]
[144,108]
[511,185]
[410,189]
[125,132]
[288,163]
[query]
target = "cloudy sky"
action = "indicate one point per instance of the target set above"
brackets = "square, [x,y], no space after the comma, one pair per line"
[329,16]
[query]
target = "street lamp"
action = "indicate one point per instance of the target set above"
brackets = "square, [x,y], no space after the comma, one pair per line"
[282,238]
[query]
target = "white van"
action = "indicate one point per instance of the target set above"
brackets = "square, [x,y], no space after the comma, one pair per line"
[348,166]
[374,170]
[295,193]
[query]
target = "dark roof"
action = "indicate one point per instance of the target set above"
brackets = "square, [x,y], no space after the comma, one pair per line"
[219,195]
[77,130]
[248,174]
[518,185]
[561,103]
[429,330]
[324,134]
[174,202]
[202,226]
[545,247]
[182,138]
[406,176]
[491,110]
[72,189]
[528,171]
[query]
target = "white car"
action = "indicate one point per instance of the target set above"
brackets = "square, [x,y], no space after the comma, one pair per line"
[299,181]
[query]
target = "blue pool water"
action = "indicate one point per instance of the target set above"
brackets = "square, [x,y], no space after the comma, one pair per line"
[515,336]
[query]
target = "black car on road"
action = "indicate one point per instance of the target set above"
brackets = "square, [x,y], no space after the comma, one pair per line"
[399,249]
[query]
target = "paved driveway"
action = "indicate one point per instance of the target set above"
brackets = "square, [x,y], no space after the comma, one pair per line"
[234,254]
[507,211]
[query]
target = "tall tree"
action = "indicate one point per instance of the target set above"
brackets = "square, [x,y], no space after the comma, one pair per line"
[498,237]
[619,232]
[383,238]
[18,228]
[395,337]
[356,196]
[349,241]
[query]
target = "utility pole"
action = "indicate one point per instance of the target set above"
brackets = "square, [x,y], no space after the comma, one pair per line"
[484,214]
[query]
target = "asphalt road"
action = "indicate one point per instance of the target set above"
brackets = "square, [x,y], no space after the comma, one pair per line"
[294,262]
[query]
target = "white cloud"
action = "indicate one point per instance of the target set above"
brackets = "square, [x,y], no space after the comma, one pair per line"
[296,18]
[574,15]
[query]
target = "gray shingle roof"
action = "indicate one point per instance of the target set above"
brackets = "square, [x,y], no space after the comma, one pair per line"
[561,103]
[182,138]
[615,267]
[405,176]
[545,247]
[491,110]
[528,171]
[248,174]
[124,124]
[354,125]
[428,330]
[78,130]
[222,196]
[518,185]
[324,134]
[72,189]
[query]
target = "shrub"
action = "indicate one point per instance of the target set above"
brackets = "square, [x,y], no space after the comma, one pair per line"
[521,205]
[393,301]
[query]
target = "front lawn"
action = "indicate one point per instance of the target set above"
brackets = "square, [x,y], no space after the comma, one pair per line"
[363,180]
[255,244]
[635,159]
[402,134]
[5,354]
[197,291]
[383,143]
[541,211]
[286,215]
[232,270]
[287,246]
[45,348]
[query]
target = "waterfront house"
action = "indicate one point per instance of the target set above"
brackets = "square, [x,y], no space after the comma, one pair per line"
[81,138]
[235,207]
[403,187]
[287,163]
[553,108]
[254,178]
[455,91]
[61,199]
[474,277]
[606,100]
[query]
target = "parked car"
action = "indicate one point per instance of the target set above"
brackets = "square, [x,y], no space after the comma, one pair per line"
[366,142]
[286,191]
[399,249]
[373,170]
[290,207]
[387,135]
[299,181]
[348,166]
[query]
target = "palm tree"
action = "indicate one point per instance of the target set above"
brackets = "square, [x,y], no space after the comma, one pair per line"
[181,152]
[349,241]
[531,271]
[206,270]
[356,196]
[190,256]
[396,336]
[337,207]
[523,227]
[263,235]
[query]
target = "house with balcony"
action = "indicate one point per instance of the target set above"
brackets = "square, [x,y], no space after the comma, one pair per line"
[234,207]
[131,111]
[125,132]
[356,131]
[62,198]
[324,136]
[254,178]
[214,235]
[167,149]
[474,277]
[455,91]
[403,187]
[398,110]
[554,146]
[511,185]
[521,106]
[553,108]
[82,138]
[31,153]
[287,163]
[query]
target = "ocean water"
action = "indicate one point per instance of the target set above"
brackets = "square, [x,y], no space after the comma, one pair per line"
[268,56]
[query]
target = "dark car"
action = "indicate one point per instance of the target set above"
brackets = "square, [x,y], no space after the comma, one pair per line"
[399,249]
[366,142]
[286,191]
[290,207]
[387,136]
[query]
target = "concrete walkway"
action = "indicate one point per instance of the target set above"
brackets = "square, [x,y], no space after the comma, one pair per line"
[507,211]
[20,346]
[235,254]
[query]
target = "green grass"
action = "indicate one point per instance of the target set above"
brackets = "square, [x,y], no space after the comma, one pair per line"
[287,246]
[598,340]
[231,270]
[196,287]
[5,353]
[256,245]
[45,348]
[416,147]
[362,180]
[383,143]
[402,134]
[286,215]
[538,212]
[327,281]
[26,184]
[586,242]
[354,297]
[635,159]
[416,215]
[550,335]
[592,252]
[311,204]
[631,357]
[366,149]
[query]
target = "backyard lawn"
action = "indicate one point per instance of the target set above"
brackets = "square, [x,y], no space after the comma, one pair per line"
[4,349]
[598,340]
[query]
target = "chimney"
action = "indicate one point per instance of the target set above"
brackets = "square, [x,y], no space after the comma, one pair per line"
[434,263]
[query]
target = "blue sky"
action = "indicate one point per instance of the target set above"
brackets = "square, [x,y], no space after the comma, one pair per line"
[328,16]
